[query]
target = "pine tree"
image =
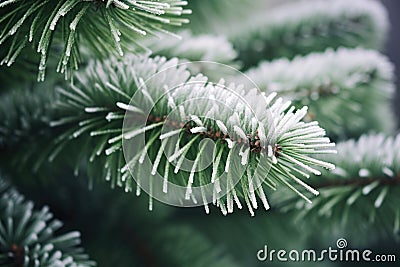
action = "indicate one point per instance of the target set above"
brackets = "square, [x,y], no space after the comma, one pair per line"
[141,108]
[28,236]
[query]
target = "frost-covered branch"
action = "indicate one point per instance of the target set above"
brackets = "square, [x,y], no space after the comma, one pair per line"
[28,237]
[348,91]
[362,192]
[309,26]
[59,27]
[263,136]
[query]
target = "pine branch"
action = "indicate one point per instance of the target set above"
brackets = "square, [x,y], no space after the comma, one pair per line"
[197,48]
[362,192]
[139,238]
[27,236]
[348,91]
[65,26]
[269,135]
[311,26]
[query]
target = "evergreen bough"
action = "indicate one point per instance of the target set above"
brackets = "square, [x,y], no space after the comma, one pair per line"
[58,27]
[348,91]
[82,123]
[265,133]
[361,194]
[311,26]
[28,237]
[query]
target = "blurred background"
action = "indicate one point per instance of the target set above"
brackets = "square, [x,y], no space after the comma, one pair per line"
[392,46]
[118,230]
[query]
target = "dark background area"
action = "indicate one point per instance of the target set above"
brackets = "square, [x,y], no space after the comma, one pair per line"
[392,48]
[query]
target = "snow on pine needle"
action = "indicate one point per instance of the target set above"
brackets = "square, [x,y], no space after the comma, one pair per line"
[104,27]
[28,236]
[347,90]
[360,194]
[301,27]
[258,141]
